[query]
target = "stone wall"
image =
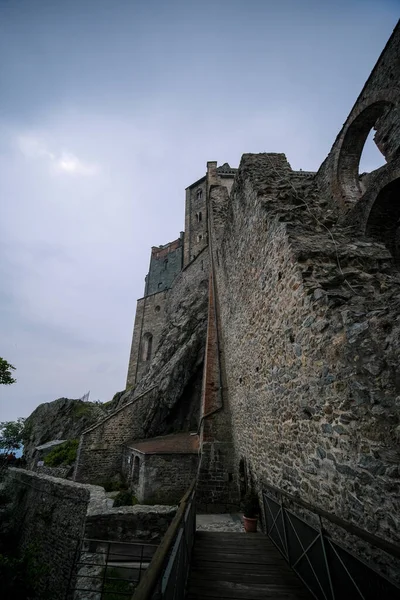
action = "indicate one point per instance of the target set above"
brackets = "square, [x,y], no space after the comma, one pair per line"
[310,334]
[378,108]
[167,477]
[130,523]
[195,229]
[50,522]
[165,264]
[149,320]
[100,449]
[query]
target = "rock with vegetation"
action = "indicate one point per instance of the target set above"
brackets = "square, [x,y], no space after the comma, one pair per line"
[62,419]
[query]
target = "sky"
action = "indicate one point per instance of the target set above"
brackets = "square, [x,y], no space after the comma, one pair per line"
[109,109]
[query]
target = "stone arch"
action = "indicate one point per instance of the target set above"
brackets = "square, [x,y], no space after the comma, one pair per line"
[378,211]
[135,470]
[147,346]
[353,138]
[383,223]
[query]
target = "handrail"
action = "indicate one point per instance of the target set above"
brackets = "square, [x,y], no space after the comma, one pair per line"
[371,538]
[153,572]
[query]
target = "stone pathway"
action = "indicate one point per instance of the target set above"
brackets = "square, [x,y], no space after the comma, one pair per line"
[220,522]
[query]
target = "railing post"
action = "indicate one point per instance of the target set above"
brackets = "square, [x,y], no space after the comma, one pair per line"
[328,572]
[284,532]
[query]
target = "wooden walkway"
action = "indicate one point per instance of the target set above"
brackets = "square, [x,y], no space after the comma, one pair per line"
[240,566]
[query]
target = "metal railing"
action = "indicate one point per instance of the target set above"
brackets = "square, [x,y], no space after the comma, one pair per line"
[167,575]
[327,569]
[107,570]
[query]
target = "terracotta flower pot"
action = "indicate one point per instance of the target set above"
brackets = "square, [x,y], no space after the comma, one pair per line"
[250,525]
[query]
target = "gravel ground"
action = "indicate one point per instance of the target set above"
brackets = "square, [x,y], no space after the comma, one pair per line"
[223,522]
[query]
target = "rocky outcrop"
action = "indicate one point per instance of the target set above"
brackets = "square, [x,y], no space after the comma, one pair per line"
[62,419]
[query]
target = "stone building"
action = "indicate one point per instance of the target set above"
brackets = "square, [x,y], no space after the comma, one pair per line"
[161,469]
[278,340]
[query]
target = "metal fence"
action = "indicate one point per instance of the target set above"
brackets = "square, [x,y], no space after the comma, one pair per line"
[106,570]
[167,575]
[328,570]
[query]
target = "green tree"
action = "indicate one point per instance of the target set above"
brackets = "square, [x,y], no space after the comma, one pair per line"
[11,434]
[5,372]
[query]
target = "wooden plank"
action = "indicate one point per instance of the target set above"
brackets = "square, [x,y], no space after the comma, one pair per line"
[198,576]
[237,558]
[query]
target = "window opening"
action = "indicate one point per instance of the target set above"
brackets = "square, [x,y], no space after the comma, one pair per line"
[147,346]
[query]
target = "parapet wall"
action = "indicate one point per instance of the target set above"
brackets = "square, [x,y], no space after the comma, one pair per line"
[100,449]
[50,516]
[310,333]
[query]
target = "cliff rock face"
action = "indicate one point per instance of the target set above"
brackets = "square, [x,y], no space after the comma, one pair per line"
[62,419]
[167,398]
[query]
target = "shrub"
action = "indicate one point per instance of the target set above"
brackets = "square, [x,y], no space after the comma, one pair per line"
[125,498]
[251,507]
[64,454]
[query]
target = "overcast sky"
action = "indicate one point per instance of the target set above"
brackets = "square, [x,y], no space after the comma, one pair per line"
[108,110]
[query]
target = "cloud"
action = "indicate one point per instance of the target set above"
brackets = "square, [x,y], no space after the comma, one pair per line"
[33,147]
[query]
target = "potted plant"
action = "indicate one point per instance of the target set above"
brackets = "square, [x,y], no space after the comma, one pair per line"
[251,510]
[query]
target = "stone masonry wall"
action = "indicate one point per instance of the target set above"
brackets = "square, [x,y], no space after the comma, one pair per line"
[100,449]
[51,516]
[378,108]
[149,319]
[130,523]
[310,330]
[167,477]
[165,264]
[195,204]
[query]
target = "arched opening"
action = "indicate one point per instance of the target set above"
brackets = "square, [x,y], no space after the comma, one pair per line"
[352,148]
[384,218]
[199,194]
[371,157]
[135,470]
[147,346]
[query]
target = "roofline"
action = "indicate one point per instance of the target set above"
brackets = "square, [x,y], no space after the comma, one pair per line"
[196,182]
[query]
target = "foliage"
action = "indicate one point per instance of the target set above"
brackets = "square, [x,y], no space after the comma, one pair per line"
[125,498]
[5,372]
[111,485]
[11,434]
[116,588]
[82,409]
[64,454]
[251,507]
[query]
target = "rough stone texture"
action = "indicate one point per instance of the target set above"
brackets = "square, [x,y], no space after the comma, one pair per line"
[377,107]
[196,221]
[61,419]
[130,523]
[149,321]
[166,477]
[165,264]
[310,347]
[51,516]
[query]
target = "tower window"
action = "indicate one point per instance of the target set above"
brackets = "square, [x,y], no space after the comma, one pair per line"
[199,237]
[147,346]
[199,194]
